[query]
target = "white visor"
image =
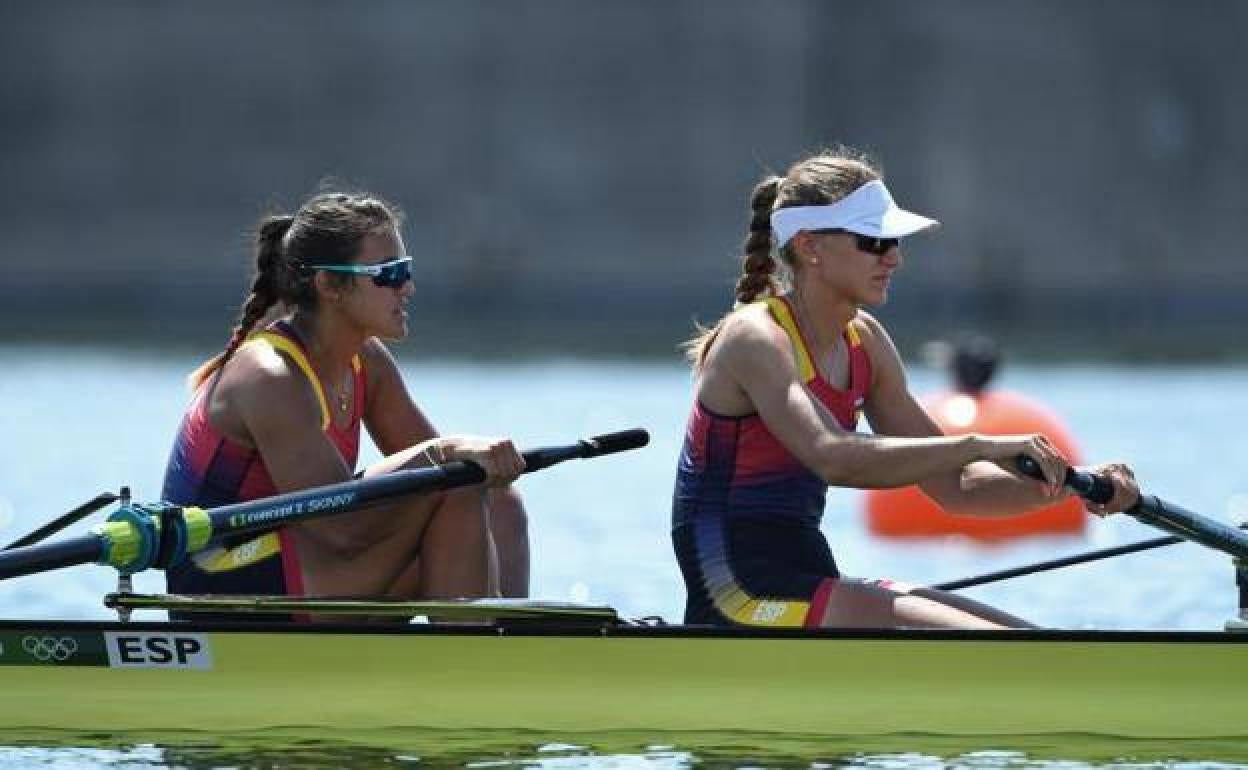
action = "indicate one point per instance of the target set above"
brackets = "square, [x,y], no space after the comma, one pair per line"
[869,210]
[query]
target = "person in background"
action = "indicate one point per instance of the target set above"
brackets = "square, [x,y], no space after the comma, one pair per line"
[280,409]
[970,359]
[780,384]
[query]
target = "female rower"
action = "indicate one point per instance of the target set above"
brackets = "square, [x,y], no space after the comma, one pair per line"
[780,383]
[280,410]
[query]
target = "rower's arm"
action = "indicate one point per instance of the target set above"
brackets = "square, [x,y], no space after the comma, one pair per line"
[402,432]
[977,488]
[757,356]
[393,419]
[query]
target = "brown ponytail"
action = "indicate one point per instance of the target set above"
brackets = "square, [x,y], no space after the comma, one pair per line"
[758,266]
[263,295]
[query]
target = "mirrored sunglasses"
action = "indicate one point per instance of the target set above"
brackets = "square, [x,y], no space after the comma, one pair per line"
[390,274]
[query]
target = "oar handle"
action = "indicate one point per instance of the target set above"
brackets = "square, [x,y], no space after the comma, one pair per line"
[1152,510]
[608,443]
[1089,486]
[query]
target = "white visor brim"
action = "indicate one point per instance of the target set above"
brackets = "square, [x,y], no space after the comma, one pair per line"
[869,210]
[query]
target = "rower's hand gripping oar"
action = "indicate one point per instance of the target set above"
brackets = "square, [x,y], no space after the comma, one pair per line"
[1152,510]
[137,537]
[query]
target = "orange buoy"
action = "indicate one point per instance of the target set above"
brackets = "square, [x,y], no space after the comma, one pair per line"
[907,512]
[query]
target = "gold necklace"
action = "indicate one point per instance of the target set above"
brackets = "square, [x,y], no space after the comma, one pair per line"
[344,393]
[341,394]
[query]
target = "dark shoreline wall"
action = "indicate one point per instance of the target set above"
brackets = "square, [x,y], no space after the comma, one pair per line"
[576,173]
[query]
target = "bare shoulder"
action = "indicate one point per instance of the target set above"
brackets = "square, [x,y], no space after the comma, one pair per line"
[875,338]
[752,355]
[259,378]
[257,363]
[868,326]
[887,371]
[378,361]
[376,353]
[749,329]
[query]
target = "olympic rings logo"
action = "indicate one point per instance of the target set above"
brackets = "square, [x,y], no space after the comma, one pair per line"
[46,649]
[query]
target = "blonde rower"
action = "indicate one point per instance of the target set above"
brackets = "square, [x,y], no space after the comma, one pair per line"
[780,384]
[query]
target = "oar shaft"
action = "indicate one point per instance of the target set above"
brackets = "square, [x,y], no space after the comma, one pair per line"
[1065,561]
[1190,526]
[29,559]
[270,512]
[61,522]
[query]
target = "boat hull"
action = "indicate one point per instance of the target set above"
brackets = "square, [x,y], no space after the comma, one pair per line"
[151,676]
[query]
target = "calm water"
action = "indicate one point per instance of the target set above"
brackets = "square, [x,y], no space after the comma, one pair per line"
[76,422]
[748,753]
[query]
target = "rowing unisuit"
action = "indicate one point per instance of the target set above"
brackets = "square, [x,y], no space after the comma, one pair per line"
[208,469]
[746,512]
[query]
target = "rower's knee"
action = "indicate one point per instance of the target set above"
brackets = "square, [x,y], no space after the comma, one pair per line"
[508,519]
[509,524]
[464,510]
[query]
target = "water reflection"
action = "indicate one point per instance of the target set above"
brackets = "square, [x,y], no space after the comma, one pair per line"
[486,749]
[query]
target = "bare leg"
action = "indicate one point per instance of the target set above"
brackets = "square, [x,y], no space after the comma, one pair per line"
[371,570]
[407,584]
[439,547]
[457,556]
[510,525]
[410,582]
[979,609]
[860,604]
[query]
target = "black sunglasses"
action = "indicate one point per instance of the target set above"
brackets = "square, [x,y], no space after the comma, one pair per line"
[390,274]
[867,243]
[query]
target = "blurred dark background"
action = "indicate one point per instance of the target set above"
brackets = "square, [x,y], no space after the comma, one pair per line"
[576,173]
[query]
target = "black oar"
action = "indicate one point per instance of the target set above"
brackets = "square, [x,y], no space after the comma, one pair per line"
[1065,561]
[137,537]
[61,522]
[1151,510]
